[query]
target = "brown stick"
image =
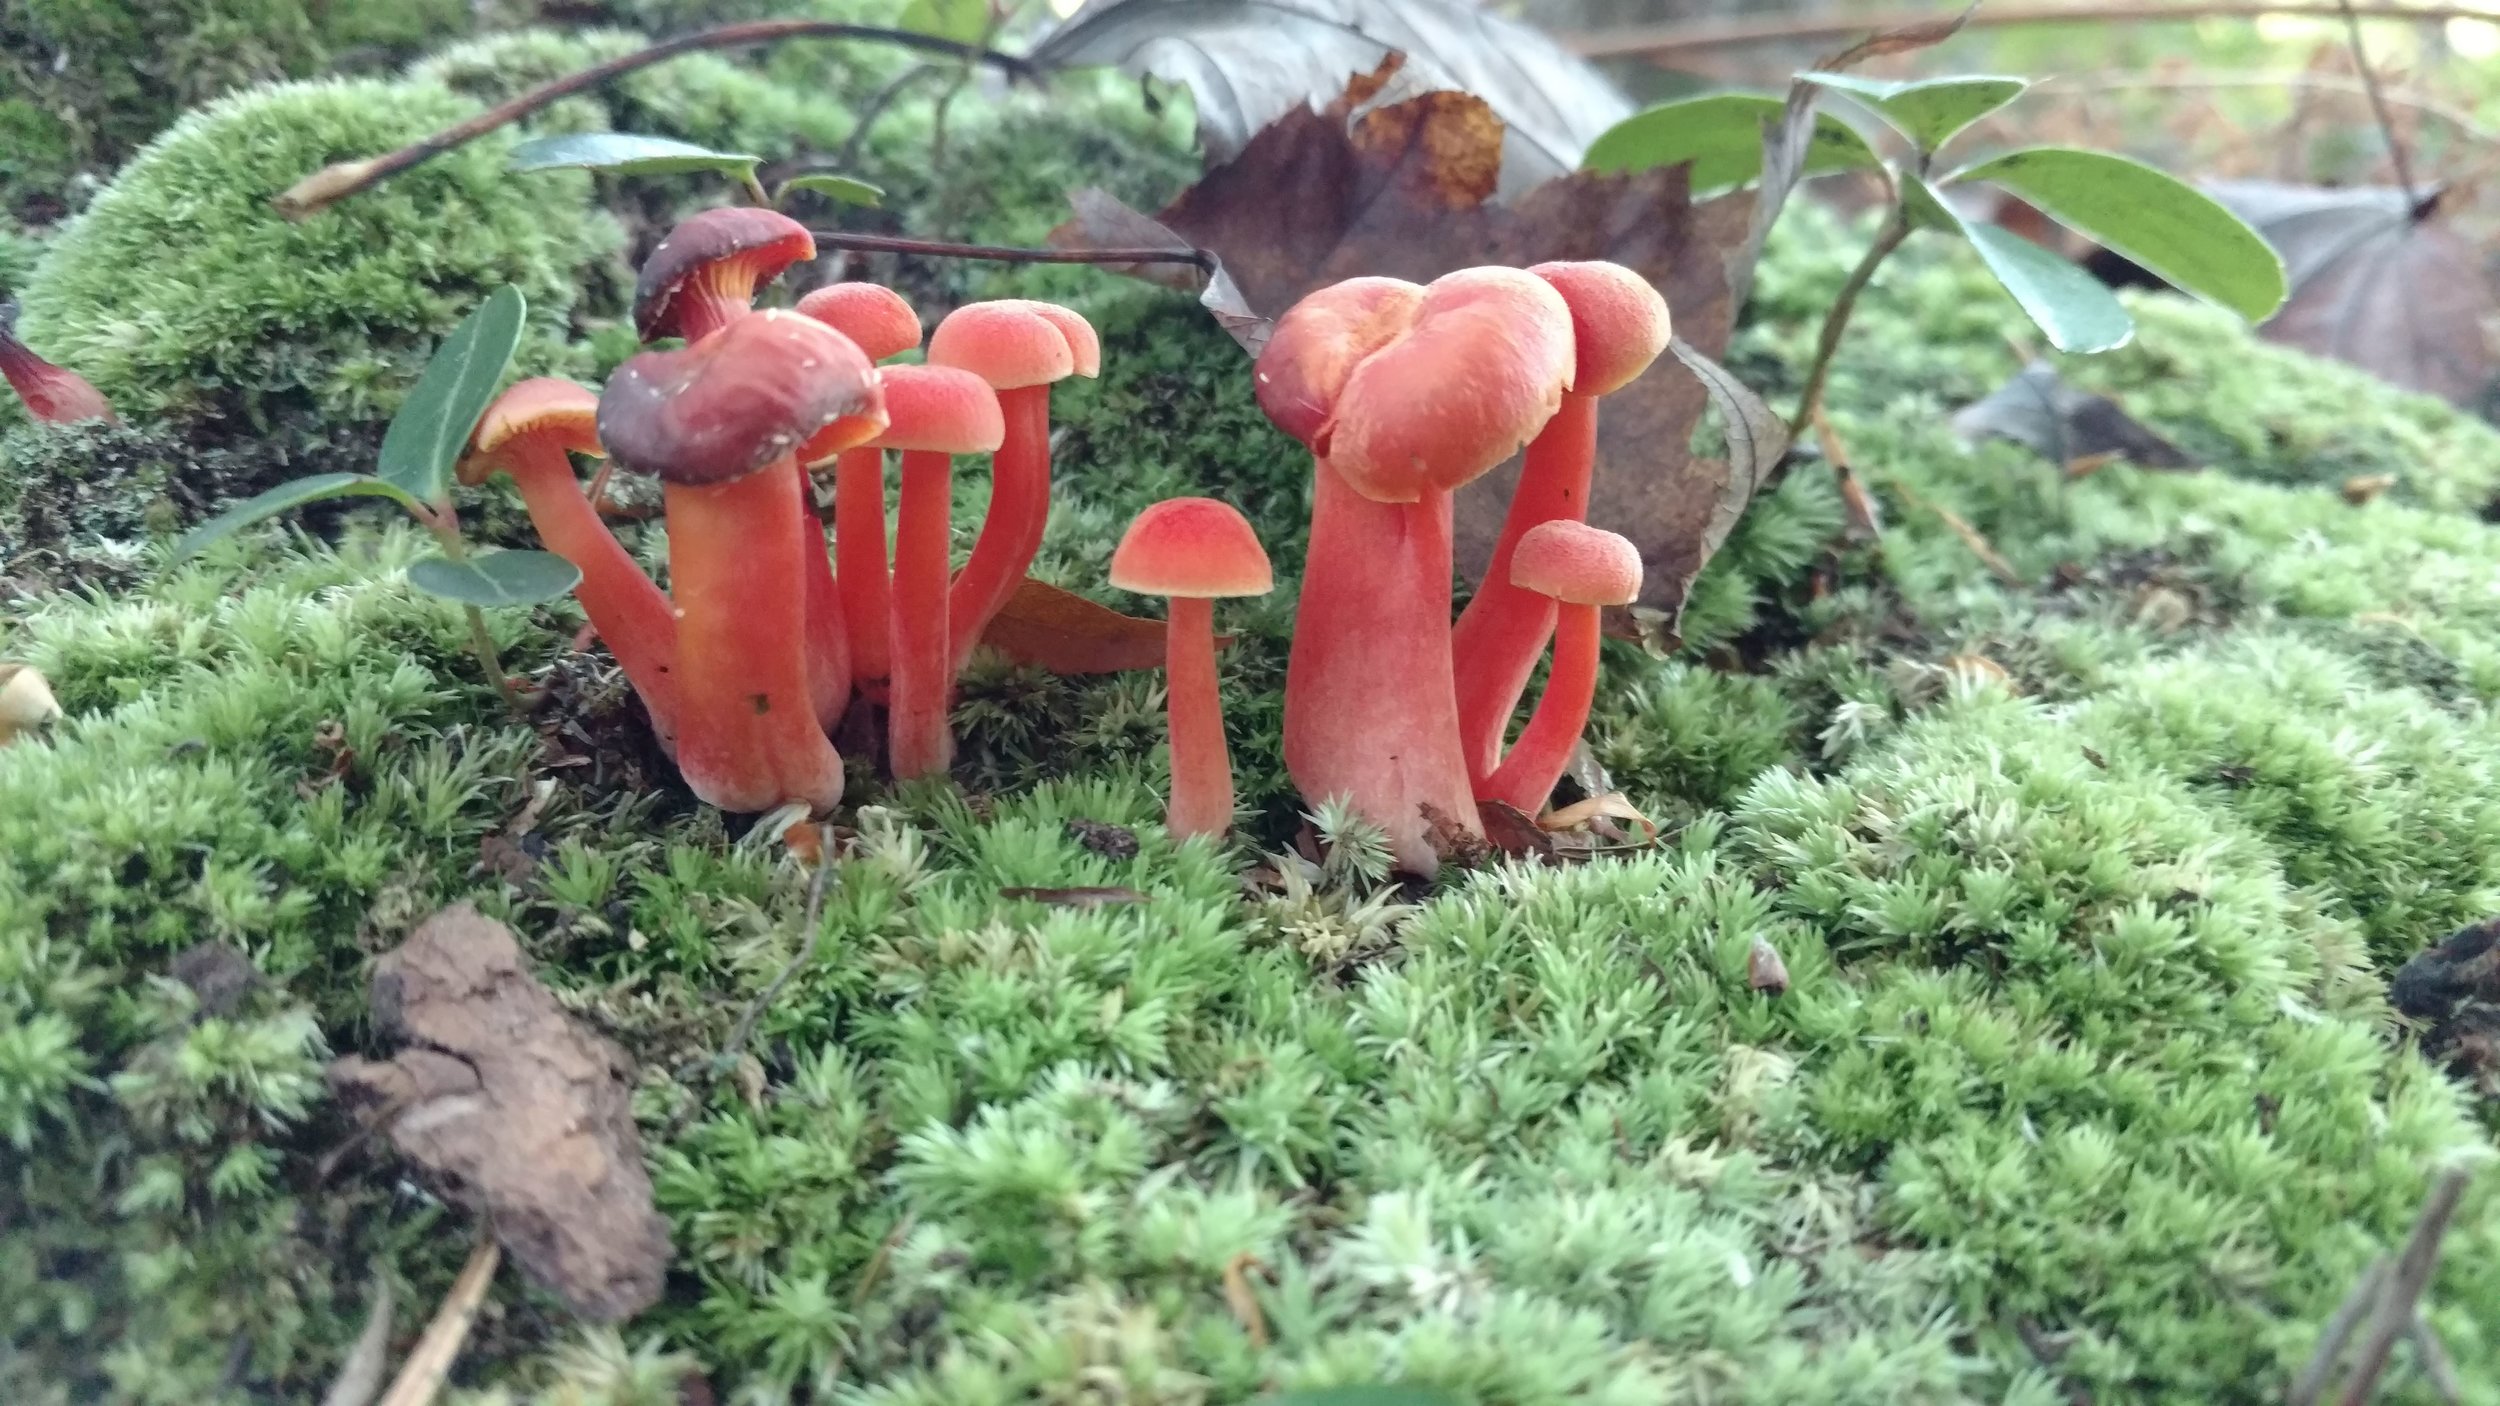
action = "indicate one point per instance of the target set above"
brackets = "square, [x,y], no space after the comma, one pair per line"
[421,1376]
[2378,108]
[1008,253]
[1664,41]
[2397,1303]
[345,178]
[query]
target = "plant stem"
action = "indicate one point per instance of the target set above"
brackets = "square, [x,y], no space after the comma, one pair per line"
[345,178]
[1836,321]
[445,525]
[1008,253]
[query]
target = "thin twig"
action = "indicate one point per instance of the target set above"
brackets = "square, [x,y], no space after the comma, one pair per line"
[2265,80]
[1836,319]
[865,120]
[709,1070]
[2412,1275]
[430,1362]
[2378,106]
[1660,42]
[2433,1360]
[345,178]
[361,1375]
[2311,1383]
[1008,253]
[1971,536]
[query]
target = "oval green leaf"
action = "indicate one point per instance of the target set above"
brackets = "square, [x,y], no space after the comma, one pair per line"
[495,578]
[627,154]
[846,189]
[2152,217]
[427,435]
[1929,111]
[2069,306]
[292,494]
[1722,136]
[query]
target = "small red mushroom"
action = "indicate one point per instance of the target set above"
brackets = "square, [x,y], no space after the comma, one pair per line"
[54,395]
[530,433]
[1021,348]
[934,413]
[1403,394]
[1193,550]
[1581,569]
[707,270]
[1619,326]
[720,422]
[884,325]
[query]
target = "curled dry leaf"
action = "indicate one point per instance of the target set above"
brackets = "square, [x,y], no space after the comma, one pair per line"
[2041,411]
[1614,805]
[26,702]
[1764,971]
[2360,490]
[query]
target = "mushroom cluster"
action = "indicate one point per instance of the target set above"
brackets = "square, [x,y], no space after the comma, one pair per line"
[1404,394]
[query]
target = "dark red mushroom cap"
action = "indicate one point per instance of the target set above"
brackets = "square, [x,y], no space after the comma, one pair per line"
[1191,547]
[1619,322]
[736,401]
[1576,563]
[730,251]
[870,314]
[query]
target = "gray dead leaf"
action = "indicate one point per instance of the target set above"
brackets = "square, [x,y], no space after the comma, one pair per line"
[1248,62]
[2040,410]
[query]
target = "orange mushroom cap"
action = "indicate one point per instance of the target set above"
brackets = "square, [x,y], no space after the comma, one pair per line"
[734,402]
[1619,322]
[1017,342]
[871,314]
[1191,547]
[1577,563]
[547,408]
[941,409]
[735,247]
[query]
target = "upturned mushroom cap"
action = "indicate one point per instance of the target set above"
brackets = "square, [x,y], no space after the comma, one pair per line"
[547,409]
[1017,342]
[940,409]
[871,314]
[1577,563]
[1619,322]
[1191,547]
[736,401]
[1404,390]
[736,247]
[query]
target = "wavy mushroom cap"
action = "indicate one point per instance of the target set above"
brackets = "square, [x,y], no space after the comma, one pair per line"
[942,409]
[542,409]
[1404,390]
[871,314]
[1191,547]
[734,402]
[1577,563]
[729,252]
[1619,322]
[1016,342]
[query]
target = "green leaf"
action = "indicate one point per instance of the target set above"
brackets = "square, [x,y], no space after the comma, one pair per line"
[1929,111]
[294,493]
[495,578]
[2068,305]
[2152,217]
[1722,136]
[429,432]
[964,21]
[628,154]
[846,189]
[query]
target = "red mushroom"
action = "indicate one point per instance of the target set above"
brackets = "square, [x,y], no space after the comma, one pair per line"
[1619,326]
[707,270]
[531,433]
[935,412]
[883,325]
[1581,569]
[720,423]
[1193,550]
[1020,347]
[53,394]
[1403,395]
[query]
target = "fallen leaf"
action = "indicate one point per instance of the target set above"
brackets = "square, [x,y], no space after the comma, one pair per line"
[2065,425]
[2363,489]
[1114,841]
[1513,831]
[1063,632]
[1613,805]
[26,702]
[521,1113]
[1248,63]
[1764,971]
[1077,897]
[1453,842]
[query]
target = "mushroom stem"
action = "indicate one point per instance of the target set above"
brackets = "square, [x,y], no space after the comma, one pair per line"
[917,741]
[1202,766]
[747,736]
[1370,713]
[630,613]
[1503,630]
[1527,776]
[828,643]
[859,561]
[1011,532]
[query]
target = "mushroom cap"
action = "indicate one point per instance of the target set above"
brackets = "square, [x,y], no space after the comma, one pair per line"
[1017,342]
[1574,562]
[1619,322]
[942,409]
[734,402]
[1191,547]
[763,242]
[545,408]
[871,314]
[1404,390]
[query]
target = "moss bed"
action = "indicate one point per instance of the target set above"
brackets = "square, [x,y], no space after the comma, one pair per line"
[2089,885]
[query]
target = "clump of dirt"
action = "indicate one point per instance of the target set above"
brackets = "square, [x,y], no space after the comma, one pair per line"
[2453,989]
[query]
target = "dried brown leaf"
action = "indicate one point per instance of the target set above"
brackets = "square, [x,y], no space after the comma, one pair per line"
[1514,832]
[1063,632]
[1764,970]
